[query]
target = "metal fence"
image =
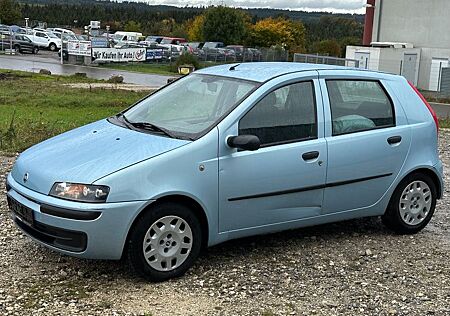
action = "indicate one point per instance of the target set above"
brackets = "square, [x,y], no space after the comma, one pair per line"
[6,44]
[243,54]
[326,60]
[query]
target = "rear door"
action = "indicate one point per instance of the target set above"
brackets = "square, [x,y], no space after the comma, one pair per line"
[367,138]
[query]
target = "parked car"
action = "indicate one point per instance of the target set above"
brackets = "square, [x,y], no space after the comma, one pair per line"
[228,152]
[173,40]
[20,43]
[252,54]
[154,38]
[59,31]
[45,40]
[215,51]
[4,28]
[39,29]
[121,38]
[238,50]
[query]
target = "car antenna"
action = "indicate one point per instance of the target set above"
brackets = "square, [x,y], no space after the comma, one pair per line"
[234,67]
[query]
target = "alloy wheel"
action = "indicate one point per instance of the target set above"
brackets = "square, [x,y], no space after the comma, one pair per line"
[167,243]
[415,203]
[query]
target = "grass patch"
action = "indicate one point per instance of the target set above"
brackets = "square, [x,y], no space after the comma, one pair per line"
[154,68]
[444,123]
[34,107]
[158,69]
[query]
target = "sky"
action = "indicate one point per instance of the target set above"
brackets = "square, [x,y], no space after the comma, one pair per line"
[337,6]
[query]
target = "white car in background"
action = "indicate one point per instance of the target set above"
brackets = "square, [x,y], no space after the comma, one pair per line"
[45,40]
[60,31]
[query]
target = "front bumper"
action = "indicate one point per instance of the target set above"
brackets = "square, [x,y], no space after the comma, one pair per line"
[101,238]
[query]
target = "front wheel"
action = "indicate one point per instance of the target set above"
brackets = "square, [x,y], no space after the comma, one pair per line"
[52,47]
[165,242]
[412,204]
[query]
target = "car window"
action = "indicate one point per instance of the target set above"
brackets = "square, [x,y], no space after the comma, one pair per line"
[285,115]
[192,104]
[38,34]
[358,105]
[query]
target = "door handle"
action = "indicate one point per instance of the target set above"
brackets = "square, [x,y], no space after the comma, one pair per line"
[394,140]
[310,155]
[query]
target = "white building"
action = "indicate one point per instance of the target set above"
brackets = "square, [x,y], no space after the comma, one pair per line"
[407,37]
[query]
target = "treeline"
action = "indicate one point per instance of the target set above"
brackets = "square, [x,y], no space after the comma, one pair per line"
[322,33]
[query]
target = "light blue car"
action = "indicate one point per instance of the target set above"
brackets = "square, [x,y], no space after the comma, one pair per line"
[228,152]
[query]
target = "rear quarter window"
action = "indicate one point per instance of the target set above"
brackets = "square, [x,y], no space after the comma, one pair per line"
[359,105]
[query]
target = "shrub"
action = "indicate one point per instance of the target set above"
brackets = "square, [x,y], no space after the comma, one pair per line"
[185,59]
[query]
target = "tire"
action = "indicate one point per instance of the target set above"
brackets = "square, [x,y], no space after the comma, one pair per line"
[17,48]
[412,205]
[165,257]
[52,47]
[35,50]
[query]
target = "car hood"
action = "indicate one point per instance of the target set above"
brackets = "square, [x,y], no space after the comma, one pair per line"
[86,154]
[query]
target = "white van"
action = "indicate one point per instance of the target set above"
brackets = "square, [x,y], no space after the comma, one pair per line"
[126,37]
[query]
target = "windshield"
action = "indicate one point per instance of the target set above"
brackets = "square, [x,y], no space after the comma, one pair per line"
[191,105]
[52,35]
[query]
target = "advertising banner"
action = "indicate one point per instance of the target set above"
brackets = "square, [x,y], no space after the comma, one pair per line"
[154,54]
[79,48]
[118,54]
[99,42]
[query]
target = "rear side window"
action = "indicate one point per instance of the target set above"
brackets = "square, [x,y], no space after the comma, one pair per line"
[358,105]
[285,115]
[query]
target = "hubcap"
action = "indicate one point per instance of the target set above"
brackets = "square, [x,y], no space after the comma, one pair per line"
[415,203]
[167,243]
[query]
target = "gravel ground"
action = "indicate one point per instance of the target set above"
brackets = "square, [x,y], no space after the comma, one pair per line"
[350,268]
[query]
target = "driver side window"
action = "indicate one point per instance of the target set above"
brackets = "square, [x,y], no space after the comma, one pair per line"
[285,115]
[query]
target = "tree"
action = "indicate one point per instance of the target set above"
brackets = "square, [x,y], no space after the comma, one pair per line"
[195,28]
[280,31]
[224,24]
[133,26]
[9,12]
[327,47]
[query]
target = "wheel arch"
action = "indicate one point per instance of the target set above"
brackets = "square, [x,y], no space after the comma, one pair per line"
[429,172]
[185,200]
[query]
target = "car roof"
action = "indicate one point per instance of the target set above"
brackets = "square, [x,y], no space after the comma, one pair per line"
[263,71]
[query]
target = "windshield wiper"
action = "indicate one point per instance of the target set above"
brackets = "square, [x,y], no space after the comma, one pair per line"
[148,127]
[125,120]
[151,127]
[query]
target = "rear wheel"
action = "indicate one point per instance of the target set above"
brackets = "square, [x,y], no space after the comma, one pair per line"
[52,47]
[412,205]
[17,48]
[35,50]
[165,242]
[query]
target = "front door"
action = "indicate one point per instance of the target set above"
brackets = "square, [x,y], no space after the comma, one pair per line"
[368,142]
[283,180]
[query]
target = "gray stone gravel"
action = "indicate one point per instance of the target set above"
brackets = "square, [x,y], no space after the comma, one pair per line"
[350,268]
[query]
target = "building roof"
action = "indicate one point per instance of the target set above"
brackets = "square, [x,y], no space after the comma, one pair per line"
[263,71]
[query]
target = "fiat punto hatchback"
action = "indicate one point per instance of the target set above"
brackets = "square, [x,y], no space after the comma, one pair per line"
[228,152]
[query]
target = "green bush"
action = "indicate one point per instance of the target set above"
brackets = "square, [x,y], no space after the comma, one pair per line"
[185,59]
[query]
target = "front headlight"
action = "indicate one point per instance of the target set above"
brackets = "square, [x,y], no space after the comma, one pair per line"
[80,192]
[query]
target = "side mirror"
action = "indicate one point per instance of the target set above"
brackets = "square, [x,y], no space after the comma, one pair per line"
[244,142]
